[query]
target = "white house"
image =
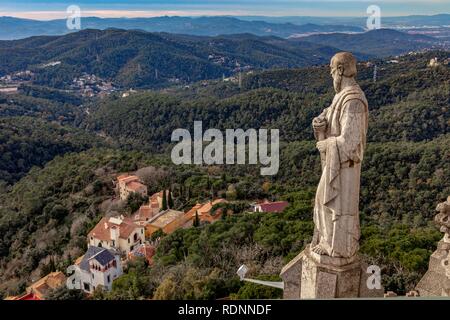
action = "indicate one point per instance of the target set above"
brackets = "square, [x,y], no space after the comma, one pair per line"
[98,266]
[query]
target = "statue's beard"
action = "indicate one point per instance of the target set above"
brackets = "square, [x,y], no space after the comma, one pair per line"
[337,84]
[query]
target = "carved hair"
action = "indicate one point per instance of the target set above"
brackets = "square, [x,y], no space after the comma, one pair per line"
[347,61]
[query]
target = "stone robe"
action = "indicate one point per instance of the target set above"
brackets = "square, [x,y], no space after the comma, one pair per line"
[336,210]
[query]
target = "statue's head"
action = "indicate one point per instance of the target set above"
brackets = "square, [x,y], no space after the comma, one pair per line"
[343,65]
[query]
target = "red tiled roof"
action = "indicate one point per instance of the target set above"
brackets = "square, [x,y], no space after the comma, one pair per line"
[278,206]
[206,208]
[102,230]
[127,178]
[135,185]
[28,296]
[194,209]
[154,198]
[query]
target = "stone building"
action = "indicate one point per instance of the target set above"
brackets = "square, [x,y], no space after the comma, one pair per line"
[130,184]
[119,233]
[148,211]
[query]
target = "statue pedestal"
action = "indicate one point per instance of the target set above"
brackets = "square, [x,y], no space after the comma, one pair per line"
[312,276]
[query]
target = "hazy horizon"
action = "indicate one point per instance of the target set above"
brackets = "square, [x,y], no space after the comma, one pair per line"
[2,15]
[56,9]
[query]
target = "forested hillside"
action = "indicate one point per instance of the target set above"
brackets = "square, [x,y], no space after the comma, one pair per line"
[132,58]
[408,102]
[142,59]
[42,103]
[26,142]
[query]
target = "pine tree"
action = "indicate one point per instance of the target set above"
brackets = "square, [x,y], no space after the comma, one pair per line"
[188,193]
[196,222]
[164,201]
[169,199]
[52,266]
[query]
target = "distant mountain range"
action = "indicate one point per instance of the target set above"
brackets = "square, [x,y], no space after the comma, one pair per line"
[15,28]
[380,42]
[142,59]
[438,20]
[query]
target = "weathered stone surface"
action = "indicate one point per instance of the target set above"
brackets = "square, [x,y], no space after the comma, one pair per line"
[291,278]
[326,285]
[436,281]
[306,278]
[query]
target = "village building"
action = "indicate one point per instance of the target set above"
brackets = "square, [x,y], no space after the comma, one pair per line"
[119,233]
[98,267]
[267,206]
[144,214]
[148,211]
[168,221]
[130,184]
[42,287]
[204,212]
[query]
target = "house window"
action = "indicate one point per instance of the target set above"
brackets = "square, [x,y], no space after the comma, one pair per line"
[100,244]
[109,278]
[92,276]
[131,248]
[128,240]
[142,231]
[135,237]
[113,243]
[87,286]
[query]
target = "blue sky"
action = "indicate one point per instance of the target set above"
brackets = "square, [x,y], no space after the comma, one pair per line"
[48,9]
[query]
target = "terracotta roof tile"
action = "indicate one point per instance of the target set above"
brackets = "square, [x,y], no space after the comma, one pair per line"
[274,206]
[135,185]
[102,230]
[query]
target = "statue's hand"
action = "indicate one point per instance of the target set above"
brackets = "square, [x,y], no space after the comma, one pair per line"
[319,123]
[322,145]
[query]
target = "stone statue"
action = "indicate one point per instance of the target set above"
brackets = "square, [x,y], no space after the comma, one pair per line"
[341,133]
[330,266]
